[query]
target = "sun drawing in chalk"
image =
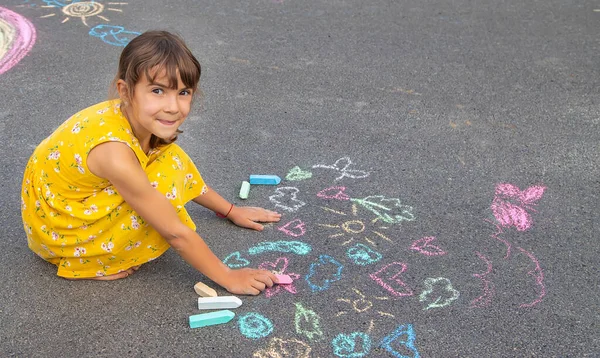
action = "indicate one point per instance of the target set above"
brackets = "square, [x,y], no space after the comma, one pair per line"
[350,229]
[361,304]
[81,9]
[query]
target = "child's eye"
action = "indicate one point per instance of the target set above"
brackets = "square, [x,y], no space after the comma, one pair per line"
[157,90]
[185,92]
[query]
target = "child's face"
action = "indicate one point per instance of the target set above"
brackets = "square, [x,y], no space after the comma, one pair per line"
[157,109]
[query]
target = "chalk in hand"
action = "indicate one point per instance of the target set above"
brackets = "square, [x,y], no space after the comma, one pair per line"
[210,319]
[204,291]
[244,190]
[265,179]
[283,279]
[209,303]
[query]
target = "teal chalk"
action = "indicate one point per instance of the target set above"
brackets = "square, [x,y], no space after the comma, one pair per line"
[244,190]
[210,319]
[265,179]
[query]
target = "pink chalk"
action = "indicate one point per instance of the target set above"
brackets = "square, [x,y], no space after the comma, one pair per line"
[284,279]
[19,40]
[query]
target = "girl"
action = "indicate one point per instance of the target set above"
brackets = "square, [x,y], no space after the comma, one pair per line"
[106,191]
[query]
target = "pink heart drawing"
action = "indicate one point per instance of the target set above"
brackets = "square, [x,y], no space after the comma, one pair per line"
[423,246]
[388,278]
[330,193]
[279,266]
[294,228]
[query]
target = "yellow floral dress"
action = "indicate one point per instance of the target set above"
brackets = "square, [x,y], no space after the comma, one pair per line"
[77,220]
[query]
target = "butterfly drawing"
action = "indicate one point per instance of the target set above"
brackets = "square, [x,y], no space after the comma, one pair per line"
[511,205]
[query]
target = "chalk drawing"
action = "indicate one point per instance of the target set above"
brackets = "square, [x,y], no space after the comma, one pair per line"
[341,166]
[323,272]
[279,267]
[361,304]
[423,246]
[288,348]
[306,322]
[363,255]
[81,9]
[509,214]
[353,228]
[335,192]
[404,336]
[294,228]
[391,211]
[488,288]
[254,325]
[388,277]
[296,173]
[295,247]
[496,236]
[235,260]
[446,294]
[353,345]
[538,274]
[510,207]
[17,37]
[113,35]
[285,198]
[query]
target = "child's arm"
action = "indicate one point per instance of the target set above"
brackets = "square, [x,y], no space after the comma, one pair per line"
[243,216]
[117,163]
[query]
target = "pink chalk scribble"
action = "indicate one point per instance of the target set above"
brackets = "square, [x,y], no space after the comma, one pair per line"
[510,214]
[388,278]
[294,228]
[423,246]
[538,274]
[280,267]
[335,192]
[496,236]
[17,41]
[488,288]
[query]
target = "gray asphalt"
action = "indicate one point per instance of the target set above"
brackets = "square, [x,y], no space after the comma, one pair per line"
[422,110]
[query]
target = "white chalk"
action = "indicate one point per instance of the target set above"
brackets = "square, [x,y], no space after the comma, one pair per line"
[244,190]
[284,279]
[204,291]
[209,303]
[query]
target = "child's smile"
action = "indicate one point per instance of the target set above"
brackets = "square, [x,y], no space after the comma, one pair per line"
[156,108]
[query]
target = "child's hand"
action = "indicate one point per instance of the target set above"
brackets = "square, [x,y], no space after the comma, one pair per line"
[249,217]
[249,281]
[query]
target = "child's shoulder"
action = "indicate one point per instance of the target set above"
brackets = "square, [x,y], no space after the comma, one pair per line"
[106,109]
[105,114]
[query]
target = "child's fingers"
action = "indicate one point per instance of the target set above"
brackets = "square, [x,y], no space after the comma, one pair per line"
[266,277]
[252,291]
[260,286]
[254,225]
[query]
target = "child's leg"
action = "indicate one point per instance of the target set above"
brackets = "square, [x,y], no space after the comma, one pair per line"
[127,241]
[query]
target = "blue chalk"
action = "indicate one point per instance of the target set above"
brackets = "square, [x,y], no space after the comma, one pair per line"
[265,179]
[212,318]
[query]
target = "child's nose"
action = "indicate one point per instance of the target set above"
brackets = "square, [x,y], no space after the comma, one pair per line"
[171,105]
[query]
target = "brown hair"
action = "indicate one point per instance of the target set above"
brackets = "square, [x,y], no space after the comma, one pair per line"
[157,50]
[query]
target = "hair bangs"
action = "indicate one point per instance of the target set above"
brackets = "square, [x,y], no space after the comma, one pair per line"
[173,62]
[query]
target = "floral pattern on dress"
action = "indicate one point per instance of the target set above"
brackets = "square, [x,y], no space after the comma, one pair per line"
[78,221]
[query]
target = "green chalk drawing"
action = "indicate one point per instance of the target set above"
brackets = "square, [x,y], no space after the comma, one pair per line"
[254,325]
[295,247]
[235,260]
[353,345]
[447,295]
[307,322]
[388,210]
[296,174]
